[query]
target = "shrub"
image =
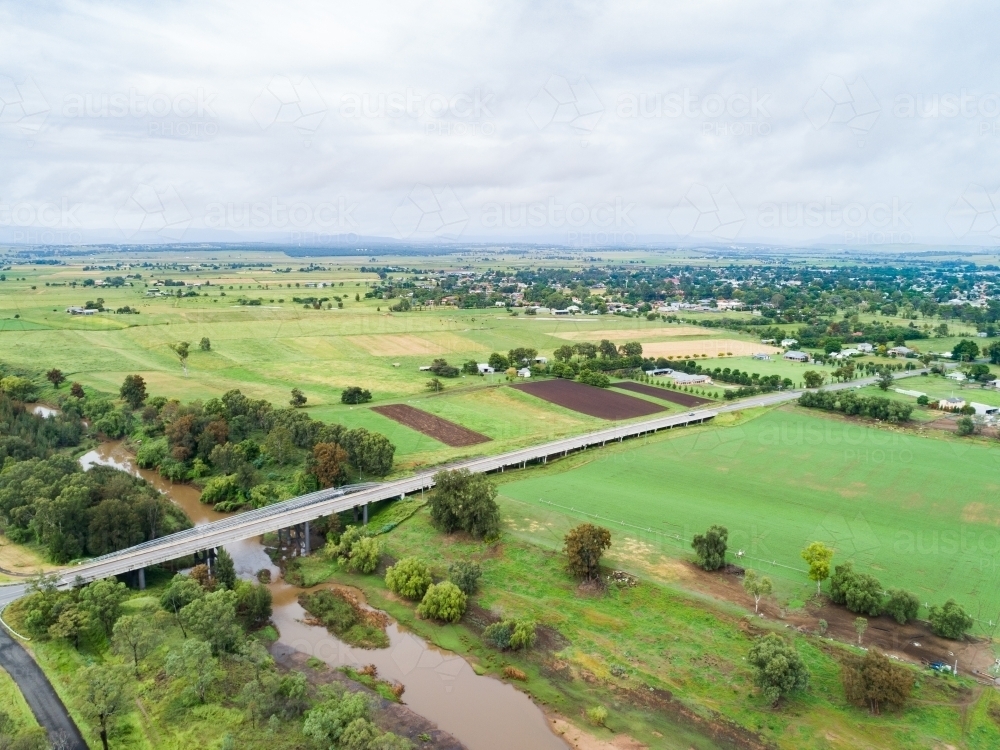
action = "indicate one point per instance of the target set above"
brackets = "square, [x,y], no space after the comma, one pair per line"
[949,621]
[902,606]
[465,574]
[365,555]
[511,634]
[220,489]
[513,673]
[409,578]
[598,379]
[443,601]
[597,715]
[151,453]
[965,426]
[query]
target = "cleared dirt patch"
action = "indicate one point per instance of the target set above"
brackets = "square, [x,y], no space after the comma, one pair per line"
[449,433]
[706,347]
[409,345]
[587,399]
[684,399]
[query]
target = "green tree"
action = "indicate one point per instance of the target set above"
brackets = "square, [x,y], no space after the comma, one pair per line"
[279,445]
[105,696]
[498,361]
[861,593]
[355,395]
[196,667]
[224,570]
[584,545]
[813,379]
[19,389]
[521,356]
[205,345]
[370,452]
[965,426]
[778,670]
[135,637]
[434,385]
[860,626]
[329,464]
[181,592]
[631,349]
[885,380]
[254,604]
[326,722]
[994,353]
[965,351]
[470,368]
[607,349]
[298,399]
[511,634]
[564,353]
[55,377]
[949,621]
[818,556]
[409,578]
[212,618]
[465,574]
[902,606]
[710,547]
[133,391]
[103,601]
[874,681]
[73,621]
[182,350]
[757,586]
[465,501]
[444,602]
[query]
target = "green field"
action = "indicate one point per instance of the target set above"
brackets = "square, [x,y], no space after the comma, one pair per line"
[921,513]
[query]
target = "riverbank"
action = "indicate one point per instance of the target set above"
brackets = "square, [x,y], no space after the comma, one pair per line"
[668,665]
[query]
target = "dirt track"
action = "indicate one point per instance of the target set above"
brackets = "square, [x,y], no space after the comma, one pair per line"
[449,433]
[684,399]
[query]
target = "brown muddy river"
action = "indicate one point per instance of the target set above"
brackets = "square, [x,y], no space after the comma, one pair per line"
[481,712]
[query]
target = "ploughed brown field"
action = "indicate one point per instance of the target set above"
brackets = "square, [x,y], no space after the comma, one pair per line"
[449,433]
[684,399]
[588,399]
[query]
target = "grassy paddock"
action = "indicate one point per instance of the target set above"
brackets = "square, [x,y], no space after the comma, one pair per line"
[620,644]
[920,513]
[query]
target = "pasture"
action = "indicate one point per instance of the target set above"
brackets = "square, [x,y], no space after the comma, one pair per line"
[919,513]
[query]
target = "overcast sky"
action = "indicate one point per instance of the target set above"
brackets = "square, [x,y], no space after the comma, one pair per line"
[577,123]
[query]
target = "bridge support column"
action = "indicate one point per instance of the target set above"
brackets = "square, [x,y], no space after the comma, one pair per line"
[141,578]
[306,545]
[366,514]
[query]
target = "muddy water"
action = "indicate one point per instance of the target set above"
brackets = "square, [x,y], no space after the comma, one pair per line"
[44,411]
[481,712]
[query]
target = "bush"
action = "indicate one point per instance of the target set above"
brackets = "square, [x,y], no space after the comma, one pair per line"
[902,606]
[465,574]
[949,621]
[365,555]
[220,489]
[597,715]
[511,634]
[151,453]
[923,400]
[444,602]
[584,546]
[409,578]
[875,682]
[965,426]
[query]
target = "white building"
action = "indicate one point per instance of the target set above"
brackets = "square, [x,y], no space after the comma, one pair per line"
[485,369]
[796,356]
[866,348]
[789,343]
[524,372]
[956,375]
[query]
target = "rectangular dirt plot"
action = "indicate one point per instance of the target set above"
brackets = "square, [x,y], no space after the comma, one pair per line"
[449,433]
[684,399]
[588,399]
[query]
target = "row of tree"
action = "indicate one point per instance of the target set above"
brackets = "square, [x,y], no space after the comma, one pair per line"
[853,404]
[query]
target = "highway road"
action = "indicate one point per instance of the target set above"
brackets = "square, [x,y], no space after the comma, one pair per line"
[318,504]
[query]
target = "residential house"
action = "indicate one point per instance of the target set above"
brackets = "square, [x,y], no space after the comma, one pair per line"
[524,372]
[683,378]
[660,371]
[762,356]
[866,348]
[956,375]
[900,351]
[951,404]
[795,356]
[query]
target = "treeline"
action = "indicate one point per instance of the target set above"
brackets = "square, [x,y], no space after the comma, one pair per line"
[47,499]
[851,404]
[244,449]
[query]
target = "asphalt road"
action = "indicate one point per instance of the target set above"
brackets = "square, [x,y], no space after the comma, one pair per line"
[40,695]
